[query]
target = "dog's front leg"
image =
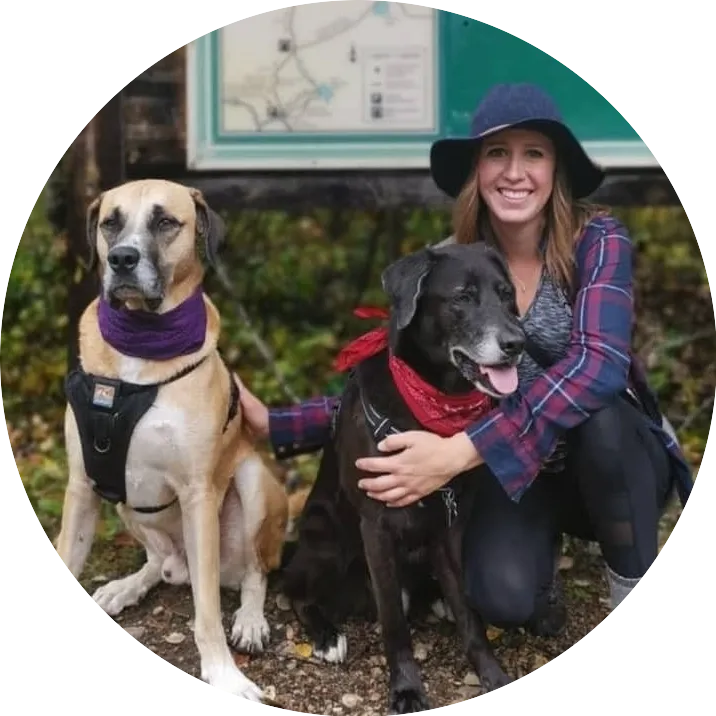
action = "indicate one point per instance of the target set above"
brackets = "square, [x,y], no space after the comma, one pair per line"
[80,508]
[470,628]
[200,508]
[250,631]
[407,694]
[79,522]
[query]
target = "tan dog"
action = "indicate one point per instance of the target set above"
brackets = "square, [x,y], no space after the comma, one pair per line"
[213,513]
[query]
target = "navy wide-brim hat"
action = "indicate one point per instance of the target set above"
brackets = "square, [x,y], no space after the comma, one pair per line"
[508,106]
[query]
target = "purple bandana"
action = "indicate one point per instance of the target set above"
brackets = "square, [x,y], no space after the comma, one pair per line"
[155,336]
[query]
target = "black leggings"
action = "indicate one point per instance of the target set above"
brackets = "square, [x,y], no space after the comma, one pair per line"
[613,489]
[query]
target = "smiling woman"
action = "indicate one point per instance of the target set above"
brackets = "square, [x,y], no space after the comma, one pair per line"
[580,446]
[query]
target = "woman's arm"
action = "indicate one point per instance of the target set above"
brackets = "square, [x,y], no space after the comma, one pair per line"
[514,439]
[301,428]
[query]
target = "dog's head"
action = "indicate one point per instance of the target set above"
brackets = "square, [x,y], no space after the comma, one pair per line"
[453,308]
[144,236]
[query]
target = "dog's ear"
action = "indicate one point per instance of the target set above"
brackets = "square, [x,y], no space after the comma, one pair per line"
[492,253]
[403,282]
[209,226]
[91,230]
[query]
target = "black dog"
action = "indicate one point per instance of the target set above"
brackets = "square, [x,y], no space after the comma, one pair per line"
[454,322]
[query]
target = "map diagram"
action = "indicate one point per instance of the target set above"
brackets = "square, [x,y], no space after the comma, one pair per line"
[331,68]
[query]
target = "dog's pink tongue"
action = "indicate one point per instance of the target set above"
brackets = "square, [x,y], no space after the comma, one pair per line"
[503,379]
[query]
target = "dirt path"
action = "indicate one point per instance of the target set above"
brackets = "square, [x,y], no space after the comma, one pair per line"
[289,675]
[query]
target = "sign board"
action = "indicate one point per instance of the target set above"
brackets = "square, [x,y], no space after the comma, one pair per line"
[369,85]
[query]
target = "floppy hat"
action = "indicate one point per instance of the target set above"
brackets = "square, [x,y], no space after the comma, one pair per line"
[508,106]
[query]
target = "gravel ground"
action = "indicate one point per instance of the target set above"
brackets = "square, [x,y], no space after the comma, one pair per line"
[292,679]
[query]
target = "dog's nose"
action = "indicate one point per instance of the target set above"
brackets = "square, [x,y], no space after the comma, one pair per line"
[512,346]
[123,259]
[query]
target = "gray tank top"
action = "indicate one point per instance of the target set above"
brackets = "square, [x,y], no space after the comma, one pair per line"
[548,322]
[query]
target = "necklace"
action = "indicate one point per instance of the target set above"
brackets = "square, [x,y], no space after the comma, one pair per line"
[521,284]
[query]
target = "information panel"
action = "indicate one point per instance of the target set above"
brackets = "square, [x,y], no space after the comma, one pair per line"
[360,85]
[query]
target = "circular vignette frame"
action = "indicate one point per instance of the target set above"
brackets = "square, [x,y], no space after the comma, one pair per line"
[547,668]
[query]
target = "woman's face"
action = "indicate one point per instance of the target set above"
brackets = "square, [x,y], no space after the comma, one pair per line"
[515,175]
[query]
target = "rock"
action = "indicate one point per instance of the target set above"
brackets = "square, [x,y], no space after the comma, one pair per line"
[99,579]
[270,692]
[350,701]
[468,692]
[283,603]
[420,652]
[376,672]
[565,562]
[175,637]
[157,611]
[538,660]
[471,679]
[581,583]
[373,696]
[136,631]
[290,633]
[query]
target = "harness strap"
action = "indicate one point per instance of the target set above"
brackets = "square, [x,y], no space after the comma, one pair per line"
[107,411]
[233,400]
[381,426]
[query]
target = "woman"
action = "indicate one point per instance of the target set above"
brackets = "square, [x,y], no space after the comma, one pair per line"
[572,451]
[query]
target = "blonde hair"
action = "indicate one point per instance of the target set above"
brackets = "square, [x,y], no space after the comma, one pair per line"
[565,220]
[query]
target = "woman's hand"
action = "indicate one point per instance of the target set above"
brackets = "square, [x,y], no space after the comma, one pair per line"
[255,412]
[424,464]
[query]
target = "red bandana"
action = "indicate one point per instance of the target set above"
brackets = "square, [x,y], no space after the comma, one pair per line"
[435,411]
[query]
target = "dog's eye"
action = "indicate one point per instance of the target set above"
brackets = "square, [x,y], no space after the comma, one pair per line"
[165,223]
[110,223]
[504,292]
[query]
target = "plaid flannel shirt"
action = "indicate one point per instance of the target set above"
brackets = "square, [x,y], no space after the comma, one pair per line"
[516,437]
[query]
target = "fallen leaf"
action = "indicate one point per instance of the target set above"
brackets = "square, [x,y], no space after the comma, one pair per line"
[174,638]
[241,660]
[124,539]
[303,650]
[493,633]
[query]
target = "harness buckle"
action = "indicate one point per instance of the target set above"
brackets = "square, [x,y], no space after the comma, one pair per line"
[450,502]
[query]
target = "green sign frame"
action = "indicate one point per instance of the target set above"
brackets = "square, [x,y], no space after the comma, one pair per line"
[463,59]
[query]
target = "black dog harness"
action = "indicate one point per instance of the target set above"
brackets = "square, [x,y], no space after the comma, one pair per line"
[107,411]
[380,427]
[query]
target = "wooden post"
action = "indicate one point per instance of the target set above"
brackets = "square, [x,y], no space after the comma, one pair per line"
[94,163]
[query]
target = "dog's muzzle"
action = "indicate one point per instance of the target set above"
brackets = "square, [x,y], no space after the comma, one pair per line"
[129,276]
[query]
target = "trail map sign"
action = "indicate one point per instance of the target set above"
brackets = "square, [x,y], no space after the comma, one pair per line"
[368,85]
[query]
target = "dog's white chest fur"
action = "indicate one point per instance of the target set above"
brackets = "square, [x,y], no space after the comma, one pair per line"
[158,458]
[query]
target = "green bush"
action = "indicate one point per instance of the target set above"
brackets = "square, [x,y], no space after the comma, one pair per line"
[299,278]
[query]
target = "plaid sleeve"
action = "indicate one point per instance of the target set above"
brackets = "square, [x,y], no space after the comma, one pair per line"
[300,428]
[515,438]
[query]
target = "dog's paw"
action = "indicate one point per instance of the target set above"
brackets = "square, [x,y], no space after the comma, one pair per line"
[116,596]
[442,611]
[332,650]
[408,701]
[492,677]
[229,678]
[250,631]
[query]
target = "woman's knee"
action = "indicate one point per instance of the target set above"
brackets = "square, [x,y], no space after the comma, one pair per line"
[612,444]
[502,594]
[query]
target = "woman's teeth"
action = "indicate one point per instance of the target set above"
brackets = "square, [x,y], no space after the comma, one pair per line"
[514,195]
